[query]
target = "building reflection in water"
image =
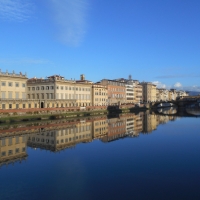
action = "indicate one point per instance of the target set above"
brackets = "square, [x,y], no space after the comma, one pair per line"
[12,149]
[61,134]
[61,137]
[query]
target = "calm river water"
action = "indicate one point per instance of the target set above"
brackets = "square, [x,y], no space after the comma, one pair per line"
[134,156]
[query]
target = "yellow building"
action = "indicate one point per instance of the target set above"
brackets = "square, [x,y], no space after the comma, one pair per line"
[12,89]
[73,93]
[162,94]
[138,91]
[99,95]
[172,94]
[149,92]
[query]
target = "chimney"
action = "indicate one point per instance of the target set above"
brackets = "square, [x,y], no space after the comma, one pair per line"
[82,77]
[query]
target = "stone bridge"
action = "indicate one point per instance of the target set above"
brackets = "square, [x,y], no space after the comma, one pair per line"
[181,102]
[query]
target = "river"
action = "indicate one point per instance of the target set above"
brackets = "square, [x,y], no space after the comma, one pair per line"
[133,156]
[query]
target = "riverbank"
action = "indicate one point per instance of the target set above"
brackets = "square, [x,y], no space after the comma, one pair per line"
[11,116]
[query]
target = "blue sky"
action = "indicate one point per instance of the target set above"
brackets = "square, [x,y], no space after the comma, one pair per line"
[153,40]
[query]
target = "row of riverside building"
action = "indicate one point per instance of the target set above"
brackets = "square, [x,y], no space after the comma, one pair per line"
[19,92]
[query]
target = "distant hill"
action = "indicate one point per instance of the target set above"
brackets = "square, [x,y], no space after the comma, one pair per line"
[193,93]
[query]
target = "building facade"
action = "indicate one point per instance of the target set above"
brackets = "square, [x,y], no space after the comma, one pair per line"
[72,93]
[138,91]
[149,91]
[162,94]
[99,95]
[116,91]
[13,86]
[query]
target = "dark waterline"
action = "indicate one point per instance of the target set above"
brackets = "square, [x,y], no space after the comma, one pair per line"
[160,160]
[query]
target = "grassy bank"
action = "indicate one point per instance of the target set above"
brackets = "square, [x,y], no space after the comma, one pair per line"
[47,116]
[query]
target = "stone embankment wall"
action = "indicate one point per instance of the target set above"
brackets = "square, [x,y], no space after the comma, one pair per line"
[12,115]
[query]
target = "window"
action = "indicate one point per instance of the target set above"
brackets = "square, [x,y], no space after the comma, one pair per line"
[10,141]
[3,83]
[33,88]
[66,88]
[35,105]
[17,140]
[10,95]
[47,87]
[23,85]
[3,106]
[3,153]
[10,106]
[23,149]
[17,106]
[17,150]
[42,87]
[57,87]
[10,84]
[10,152]
[16,95]
[61,87]
[29,105]
[37,88]
[16,84]
[24,105]
[3,142]
[51,87]
[3,95]
[23,95]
